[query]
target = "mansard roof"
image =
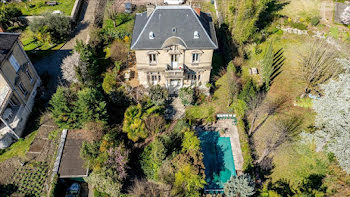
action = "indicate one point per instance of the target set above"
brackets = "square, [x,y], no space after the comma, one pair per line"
[180,22]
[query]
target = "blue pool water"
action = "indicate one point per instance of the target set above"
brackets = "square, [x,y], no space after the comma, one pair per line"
[218,159]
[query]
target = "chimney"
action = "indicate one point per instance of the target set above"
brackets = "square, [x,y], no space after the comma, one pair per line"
[150,9]
[197,9]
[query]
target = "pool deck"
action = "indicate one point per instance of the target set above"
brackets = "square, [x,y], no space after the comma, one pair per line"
[232,133]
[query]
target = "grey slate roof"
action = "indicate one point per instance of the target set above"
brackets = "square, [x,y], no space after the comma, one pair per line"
[6,42]
[164,18]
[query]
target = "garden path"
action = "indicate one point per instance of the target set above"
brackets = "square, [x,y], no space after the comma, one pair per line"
[175,110]
[51,64]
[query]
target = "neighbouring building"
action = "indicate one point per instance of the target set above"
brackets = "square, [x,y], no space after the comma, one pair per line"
[174,47]
[18,83]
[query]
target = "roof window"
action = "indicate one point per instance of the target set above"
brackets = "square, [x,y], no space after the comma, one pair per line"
[195,35]
[151,35]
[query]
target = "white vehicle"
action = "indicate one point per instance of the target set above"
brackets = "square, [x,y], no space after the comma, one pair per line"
[174,2]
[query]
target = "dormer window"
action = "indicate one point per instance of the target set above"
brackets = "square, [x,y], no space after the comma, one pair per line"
[195,35]
[173,30]
[151,35]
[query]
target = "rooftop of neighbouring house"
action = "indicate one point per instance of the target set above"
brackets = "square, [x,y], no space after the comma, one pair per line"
[191,27]
[7,40]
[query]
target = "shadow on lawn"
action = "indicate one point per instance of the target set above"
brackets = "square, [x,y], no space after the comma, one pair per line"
[310,186]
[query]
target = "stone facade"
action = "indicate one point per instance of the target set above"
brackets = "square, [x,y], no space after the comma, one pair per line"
[171,53]
[18,87]
[174,68]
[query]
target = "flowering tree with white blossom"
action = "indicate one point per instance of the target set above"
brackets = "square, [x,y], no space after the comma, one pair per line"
[333,117]
[69,67]
[345,16]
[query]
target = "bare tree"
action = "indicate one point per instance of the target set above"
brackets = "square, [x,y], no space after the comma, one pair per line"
[319,65]
[286,129]
[144,188]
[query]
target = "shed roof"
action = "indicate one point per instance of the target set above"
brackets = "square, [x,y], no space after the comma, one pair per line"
[72,165]
[179,21]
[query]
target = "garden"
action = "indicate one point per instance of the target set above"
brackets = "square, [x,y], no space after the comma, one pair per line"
[31,179]
[28,180]
[39,7]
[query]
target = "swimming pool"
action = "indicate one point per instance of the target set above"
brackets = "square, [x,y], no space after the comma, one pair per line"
[218,160]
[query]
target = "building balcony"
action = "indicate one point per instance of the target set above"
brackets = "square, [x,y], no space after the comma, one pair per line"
[12,116]
[174,71]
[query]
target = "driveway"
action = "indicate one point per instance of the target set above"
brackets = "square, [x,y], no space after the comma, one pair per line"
[51,64]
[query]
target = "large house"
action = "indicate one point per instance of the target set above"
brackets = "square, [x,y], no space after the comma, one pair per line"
[174,46]
[18,83]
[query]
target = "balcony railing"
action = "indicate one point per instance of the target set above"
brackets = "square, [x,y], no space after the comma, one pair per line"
[174,72]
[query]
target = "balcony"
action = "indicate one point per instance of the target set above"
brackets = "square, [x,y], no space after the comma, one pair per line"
[174,71]
[13,118]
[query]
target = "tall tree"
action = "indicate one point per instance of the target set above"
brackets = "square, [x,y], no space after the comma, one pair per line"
[245,14]
[266,66]
[333,117]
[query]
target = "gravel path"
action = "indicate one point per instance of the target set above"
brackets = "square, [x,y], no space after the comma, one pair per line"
[51,63]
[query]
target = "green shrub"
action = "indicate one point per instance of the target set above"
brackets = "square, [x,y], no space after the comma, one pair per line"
[158,95]
[298,25]
[72,110]
[187,96]
[52,28]
[315,20]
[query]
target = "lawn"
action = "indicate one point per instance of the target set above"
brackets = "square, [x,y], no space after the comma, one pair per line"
[19,148]
[36,49]
[38,7]
[298,9]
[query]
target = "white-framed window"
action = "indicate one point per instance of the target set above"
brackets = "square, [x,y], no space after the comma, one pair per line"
[195,57]
[152,58]
[14,63]
[154,77]
[22,88]
[29,75]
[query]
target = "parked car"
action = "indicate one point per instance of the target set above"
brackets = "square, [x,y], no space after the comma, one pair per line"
[73,190]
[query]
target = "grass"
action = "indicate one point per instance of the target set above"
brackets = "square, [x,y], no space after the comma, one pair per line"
[296,163]
[19,148]
[297,9]
[305,102]
[38,7]
[36,50]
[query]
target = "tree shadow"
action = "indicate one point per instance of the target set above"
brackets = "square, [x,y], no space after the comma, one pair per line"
[282,187]
[268,15]
[312,183]
[310,186]
[8,190]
